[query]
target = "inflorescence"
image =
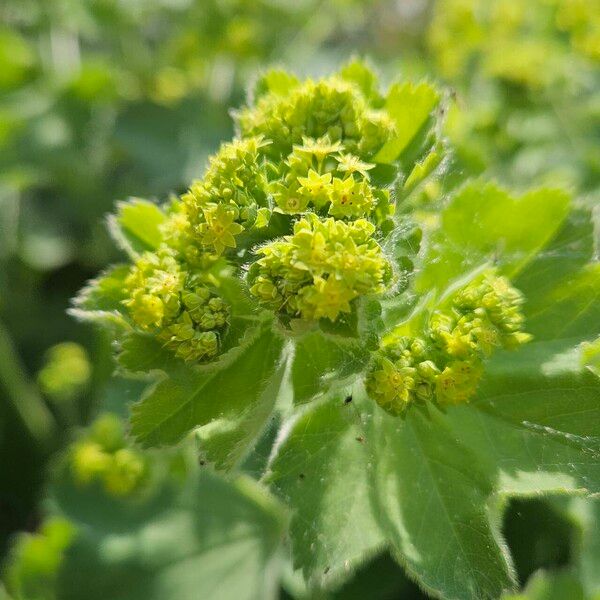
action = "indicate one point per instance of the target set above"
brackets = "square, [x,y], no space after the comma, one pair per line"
[293,196]
[294,205]
[175,305]
[445,363]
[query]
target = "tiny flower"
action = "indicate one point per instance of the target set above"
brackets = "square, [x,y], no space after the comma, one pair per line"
[320,148]
[147,310]
[458,382]
[220,228]
[316,187]
[328,297]
[348,163]
[391,386]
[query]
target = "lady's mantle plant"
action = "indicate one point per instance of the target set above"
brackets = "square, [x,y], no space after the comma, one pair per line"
[417,384]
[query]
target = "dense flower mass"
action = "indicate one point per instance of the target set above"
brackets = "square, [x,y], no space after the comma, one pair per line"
[292,201]
[334,107]
[320,269]
[445,364]
[175,304]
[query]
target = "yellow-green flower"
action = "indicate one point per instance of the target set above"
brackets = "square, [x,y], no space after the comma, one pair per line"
[320,269]
[391,386]
[327,298]
[348,163]
[457,383]
[220,228]
[320,148]
[316,187]
[447,361]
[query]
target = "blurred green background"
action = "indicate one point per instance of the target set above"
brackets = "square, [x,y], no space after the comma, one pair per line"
[105,99]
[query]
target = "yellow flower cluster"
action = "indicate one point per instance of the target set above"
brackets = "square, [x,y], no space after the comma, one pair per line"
[446,363]
[102,456]
[175,304]
[320,269]
[294,196]
[66,371]
[535,44]
[226,200]
[319,175]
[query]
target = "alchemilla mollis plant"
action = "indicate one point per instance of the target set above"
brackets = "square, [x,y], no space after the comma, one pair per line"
[391,370]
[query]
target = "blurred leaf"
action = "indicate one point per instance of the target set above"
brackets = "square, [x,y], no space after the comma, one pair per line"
[410,105]
[550,586]
[359,73]
[275,81]
[136,226]
[484,223]
[209,539]
[235,386]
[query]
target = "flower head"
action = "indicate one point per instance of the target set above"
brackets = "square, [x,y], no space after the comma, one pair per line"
[447,361]
[220,227]
[320,269]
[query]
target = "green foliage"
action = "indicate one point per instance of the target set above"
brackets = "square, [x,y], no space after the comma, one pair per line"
[179,533]
[319,316]
[338,230]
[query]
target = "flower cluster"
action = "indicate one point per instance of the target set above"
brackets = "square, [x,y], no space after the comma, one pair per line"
[320,269]
[318,175]
[226,201]
[175,304]
[295,201]
[102,456]
[304,155]
[445,364]
[333,107]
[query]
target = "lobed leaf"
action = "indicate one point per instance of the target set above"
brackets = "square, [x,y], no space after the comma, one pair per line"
[136,226]
[320,470]
[101,300]
[236,386]
[410,105]
[484,223]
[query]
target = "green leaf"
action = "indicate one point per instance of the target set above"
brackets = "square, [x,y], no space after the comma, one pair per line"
[431,495]
[591,356]
[423,169]
[236,386]
[209,539]
[320,471]
[485,223]
[359,73]
[558,585]
[322,360]
[101,300]
[358,478]
[586,513]
[562,284]
[143,353]
[535,422]
[275,81]
[410,105]
[136,226]
[227,441]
